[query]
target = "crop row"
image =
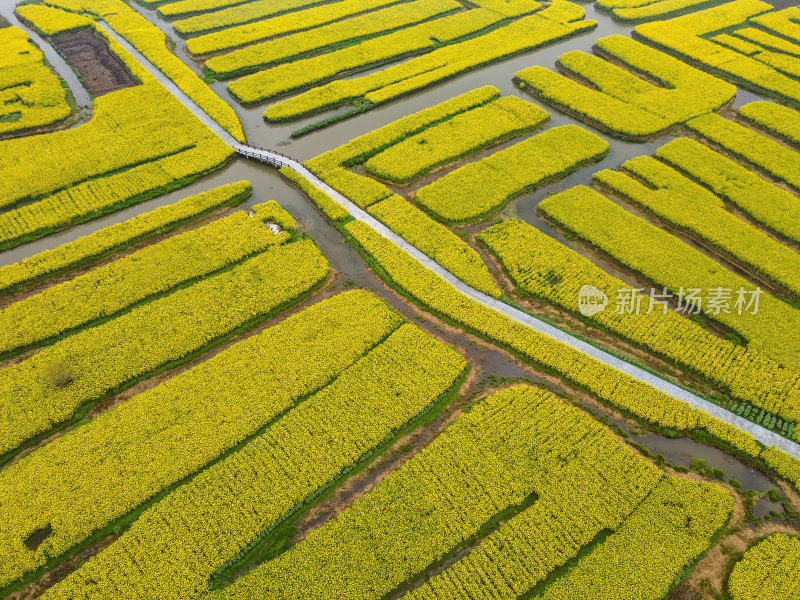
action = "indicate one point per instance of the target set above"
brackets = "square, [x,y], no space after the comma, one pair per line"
[783,22]
[123,124]
[175,546]
[646,552]
[542,266]
[684,36]
[245,12]
[518,451]
[777,118]
[672,529]
[782,63]
[610,385]
[764,39]
[117,237]
[360,149]
[151,42]
[781,162]
[165,434]
[363,191]
[649,10]
[436,242]
[288,77]
[142,157]
[558,21]
[618,100]
[31,95]
[670,262]
[464,134]
[97,196]
[770,569]
[687,204]
[150,271]
[769,204]
[50,21]
[48,387]
[184,8]
[476,189]
[313,28]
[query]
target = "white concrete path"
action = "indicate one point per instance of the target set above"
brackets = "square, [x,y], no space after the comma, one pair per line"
[761,434]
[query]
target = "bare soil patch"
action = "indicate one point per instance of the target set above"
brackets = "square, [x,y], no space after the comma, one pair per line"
[100,70]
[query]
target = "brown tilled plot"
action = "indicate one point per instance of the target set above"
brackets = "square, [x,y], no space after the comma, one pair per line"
[100,69]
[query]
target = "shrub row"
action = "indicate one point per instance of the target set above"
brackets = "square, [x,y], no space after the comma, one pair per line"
[34,396]
[31,95]
[541,266]
[460,136]
[161,436]
[475,190]
[436,242]
[116,237]
[552,24]
[176,545]
[687,204]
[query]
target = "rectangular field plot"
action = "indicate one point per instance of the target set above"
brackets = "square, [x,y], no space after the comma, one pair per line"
[159,437]
[151,337]
[127,152]
[116,237]
[146,273]
[242,497]
[313,48]
[668,261]
[543,267]
[520,466]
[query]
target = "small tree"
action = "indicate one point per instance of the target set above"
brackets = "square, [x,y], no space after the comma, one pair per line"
[303,228]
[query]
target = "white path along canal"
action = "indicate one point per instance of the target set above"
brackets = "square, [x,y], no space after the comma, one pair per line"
[761,434]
